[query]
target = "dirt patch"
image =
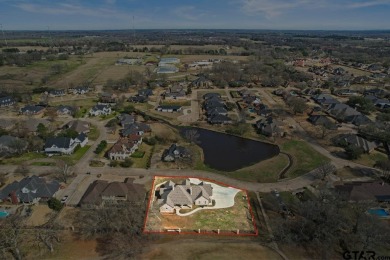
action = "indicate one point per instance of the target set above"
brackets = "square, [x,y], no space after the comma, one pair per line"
[40,215]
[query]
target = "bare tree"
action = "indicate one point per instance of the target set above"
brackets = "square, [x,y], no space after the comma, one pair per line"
[23,169]
[49,236]
[192,135]
[326,169]
[63,170]
[116,227]
[10,238]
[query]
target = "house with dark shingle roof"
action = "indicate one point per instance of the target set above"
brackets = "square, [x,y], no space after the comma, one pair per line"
[208,96]
[268,126]
[185,195]
[64,145]
[126,119]
[32,110]
[169,108]
[100,110]
[325,99]
[101,192]
[7,101]
[145,92]
[355,140]
[322,120]
[79,126]
[175,152]
[57,93]
[219,119]
[137,128]
[29,190]
[202,82]
[365,191]
[65,110]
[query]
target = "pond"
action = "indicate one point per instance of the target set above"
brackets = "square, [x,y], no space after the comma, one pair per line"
[225,152]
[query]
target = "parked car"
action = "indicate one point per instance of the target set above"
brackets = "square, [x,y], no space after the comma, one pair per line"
[64,199]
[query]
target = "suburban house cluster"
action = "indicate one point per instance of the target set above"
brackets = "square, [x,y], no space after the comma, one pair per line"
[130,137]
[215,109]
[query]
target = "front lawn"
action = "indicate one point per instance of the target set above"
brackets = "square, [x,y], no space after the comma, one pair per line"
[93,133]
[142,162]
[76,156]
[23,158]
[371,158]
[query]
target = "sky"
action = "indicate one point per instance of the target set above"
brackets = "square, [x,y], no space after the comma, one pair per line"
[195,14]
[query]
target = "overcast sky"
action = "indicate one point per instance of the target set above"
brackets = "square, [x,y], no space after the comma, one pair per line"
[195,14]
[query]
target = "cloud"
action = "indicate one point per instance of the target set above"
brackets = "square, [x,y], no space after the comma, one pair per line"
[188,13]
[368,3]
[65,9]
[273,8]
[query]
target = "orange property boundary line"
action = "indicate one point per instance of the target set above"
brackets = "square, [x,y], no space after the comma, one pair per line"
[194,232]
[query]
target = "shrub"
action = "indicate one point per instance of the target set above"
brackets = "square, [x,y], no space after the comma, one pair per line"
[54,204]
[353,152]
[100,148]
[127,163]
[150,140]
[114,164]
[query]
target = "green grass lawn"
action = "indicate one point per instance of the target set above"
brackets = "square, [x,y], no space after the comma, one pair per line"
[142,162]
[93,133]
[23,158]
[76,156]
[371,158]
[183,103]
[43,163]
[305,158]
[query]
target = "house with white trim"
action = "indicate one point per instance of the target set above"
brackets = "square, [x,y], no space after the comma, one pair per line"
[100,110]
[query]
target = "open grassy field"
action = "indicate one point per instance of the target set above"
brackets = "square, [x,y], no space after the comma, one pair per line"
[305,158]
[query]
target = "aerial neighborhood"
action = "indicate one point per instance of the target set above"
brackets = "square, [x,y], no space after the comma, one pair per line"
[111,140]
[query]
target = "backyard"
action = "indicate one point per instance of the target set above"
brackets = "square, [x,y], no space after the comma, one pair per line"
[231,219]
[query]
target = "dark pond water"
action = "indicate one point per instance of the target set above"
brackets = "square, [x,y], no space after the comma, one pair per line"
[229,153]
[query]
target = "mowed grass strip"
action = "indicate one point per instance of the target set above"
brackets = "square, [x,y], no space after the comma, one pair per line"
[304,156]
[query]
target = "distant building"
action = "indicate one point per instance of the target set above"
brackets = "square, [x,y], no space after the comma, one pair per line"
[365,191]
[7,101]
[124,147]
[169,108]
[32,110]
[57,93]
[175,152]
[100,110]
[64,145]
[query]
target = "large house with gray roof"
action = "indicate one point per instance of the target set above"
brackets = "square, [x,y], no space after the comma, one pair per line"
[29,190]
[177,196]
